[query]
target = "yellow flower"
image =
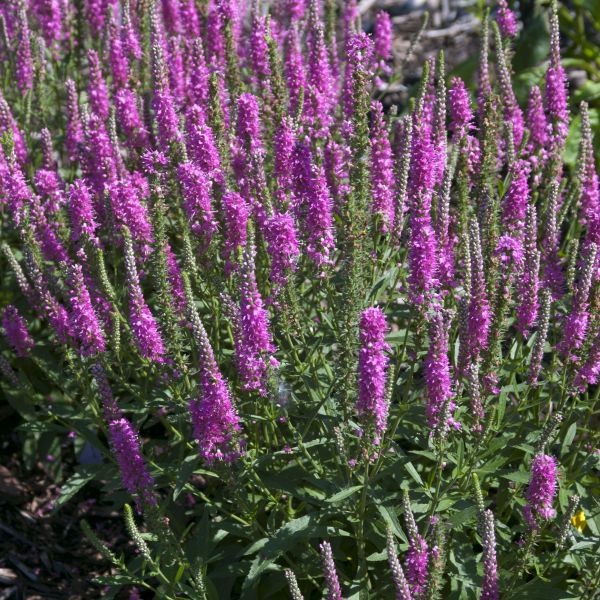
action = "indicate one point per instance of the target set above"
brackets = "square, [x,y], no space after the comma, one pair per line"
[578,521]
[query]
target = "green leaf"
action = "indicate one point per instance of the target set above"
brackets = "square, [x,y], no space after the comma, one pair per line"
[284,540]
[517,476]
[82,475]
[187,468]
[410,468]
[344,494]
[569,437]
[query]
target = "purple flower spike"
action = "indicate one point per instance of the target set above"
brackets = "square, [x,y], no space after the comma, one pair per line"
[175,281]
[383,35]
[214,418]
[24,62]
[84,323]
[371,405]
[294,69]
[119,65]
[516,199]
[259,51]
[437,370]
[382,173]
[479,316]
[422,244]
[129,118]
[15,329]
[589,373]
[489,586]
[282,246]
[201,144]
[529,282]
[541,491]
[461,114]
[254,345]
[198,74]
[589,198]
[556,91]
[81,212]
[125,445]
[334,591]
[97,92]
[236,212]
[577,321]
[248,124]
[536,120]
[143,325]
[506,19]
[74,130]
[195,189]
[417,564]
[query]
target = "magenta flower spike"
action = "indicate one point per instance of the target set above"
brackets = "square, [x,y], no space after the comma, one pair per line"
[284,141]
[97,91]
[382,170]
[190,19]
[489,586]
[556,91]
[81,213]
[248,128]
[589,194]
[129,209]
[589,372]
[371,405]
[177,83]
[259,51]
[576,322]
[84,324]
[172,16]
[195,189]
[201,144]
[214,418]
[236,212]
[507,22]
[126,448]
[417,564]
[7,122]
[436,371]
[119,65]
[23,59]
[536,120]
[541,491]
[516,199]
[95,13]
[131,39]
[422,250]
[110,408]
[254,345]
[334,591]
[198,74]
[383,36]
[313,207]
[459,104]
[143,325]
[74,129]
[294,68]
[529,282]
[15,330]
[175,281]
[283,248]
[479,316]
[129,118]
[50,15]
